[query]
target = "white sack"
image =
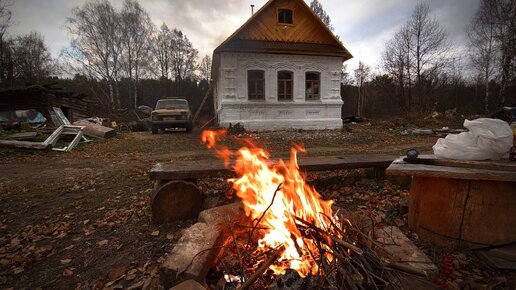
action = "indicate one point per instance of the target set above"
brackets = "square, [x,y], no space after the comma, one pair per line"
[486,139]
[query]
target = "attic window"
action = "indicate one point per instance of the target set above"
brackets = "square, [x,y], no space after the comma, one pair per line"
[285,16]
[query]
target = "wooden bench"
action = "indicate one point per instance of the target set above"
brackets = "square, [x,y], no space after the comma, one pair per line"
[177,197]
[461,203]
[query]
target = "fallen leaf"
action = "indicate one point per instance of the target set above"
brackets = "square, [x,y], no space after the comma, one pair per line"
[399,222]
[4,262]
[66,261]
[67,272]
[152,270]
[18,270]
[15,242]
[170,236]
[116,273]
[85,222]
[155,233]
[18,259]
[61,235]
[97,285]
[103,242]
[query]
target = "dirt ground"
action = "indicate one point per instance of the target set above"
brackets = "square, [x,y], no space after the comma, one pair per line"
[81,220]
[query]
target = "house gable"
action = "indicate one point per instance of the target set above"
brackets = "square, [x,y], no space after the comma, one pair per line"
[306,35]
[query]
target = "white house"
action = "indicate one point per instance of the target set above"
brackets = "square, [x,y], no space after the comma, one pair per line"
[280,70]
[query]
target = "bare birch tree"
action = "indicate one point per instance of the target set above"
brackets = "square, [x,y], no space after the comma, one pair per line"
[163,55]
[482,48]
[361,77]
[319,11]
[32,60]
[137,32]
[184,57]
[501,14]
[429,43]
[394,62]
[163,47]
[417,51]
[5,45]
[205,68]
[96,44]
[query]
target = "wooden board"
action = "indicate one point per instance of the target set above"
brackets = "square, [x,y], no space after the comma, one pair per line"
[503,164]
[215,168]
[95,130]
[399,167]
[25,144]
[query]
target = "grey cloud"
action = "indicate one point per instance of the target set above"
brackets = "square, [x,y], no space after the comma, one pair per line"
[363,25]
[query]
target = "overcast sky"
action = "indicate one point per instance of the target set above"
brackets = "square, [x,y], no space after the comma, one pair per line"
[363,25]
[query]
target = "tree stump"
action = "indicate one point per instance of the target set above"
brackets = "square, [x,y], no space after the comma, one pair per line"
[471,213]
[176,200]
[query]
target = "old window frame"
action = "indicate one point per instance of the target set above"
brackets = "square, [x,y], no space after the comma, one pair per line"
[253,85]
[311,94]
[283,13]
[284,83]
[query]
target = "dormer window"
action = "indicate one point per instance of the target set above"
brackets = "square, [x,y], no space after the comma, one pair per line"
[285,16]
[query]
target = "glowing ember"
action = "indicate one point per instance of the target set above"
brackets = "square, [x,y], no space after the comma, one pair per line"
[257,185]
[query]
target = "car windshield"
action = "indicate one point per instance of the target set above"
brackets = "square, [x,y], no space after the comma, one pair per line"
[172,104]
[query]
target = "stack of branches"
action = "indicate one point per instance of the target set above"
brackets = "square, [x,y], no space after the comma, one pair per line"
[346,259]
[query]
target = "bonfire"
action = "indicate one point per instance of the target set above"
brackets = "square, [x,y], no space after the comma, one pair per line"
[298,229]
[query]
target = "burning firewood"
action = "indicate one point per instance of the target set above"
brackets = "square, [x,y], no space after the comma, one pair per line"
[298,229]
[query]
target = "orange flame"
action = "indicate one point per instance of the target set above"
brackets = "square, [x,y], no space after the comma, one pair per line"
[258,185]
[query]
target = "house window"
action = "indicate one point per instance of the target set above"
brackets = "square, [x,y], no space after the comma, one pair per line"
[255,84]
[285,16]
[285,85]
[313,86]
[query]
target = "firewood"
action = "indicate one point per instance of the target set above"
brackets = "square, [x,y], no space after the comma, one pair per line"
[273,258]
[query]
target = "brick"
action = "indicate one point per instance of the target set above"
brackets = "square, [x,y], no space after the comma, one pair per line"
[193,255]
[404,251]
[219,215]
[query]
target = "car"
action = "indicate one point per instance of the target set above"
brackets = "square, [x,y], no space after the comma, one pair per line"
[171,113]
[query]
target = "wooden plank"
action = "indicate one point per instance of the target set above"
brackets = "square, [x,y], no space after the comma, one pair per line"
[23,135]
[397,168]
[402,250]
[95,130]
[503,164]
[25,144]
[215,168]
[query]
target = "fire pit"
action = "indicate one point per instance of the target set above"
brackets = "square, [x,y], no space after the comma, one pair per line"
[292,237]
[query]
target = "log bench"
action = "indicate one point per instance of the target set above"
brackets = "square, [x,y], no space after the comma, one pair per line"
[461,203]
[176,195]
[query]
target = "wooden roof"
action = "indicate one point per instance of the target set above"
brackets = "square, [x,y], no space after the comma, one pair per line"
[307,35]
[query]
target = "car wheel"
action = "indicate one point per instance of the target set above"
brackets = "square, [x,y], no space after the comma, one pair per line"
[154,129]
[189,127]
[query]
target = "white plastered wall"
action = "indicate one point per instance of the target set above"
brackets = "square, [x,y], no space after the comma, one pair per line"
[233,106]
